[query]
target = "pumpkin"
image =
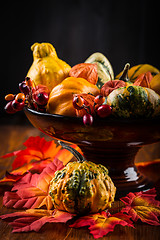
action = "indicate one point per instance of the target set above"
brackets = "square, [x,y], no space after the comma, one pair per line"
[61,97]
[111,85]
[135,71]
[134,101]
[155,83]
[87,71]
[47,69]
[82,187]
[104,68]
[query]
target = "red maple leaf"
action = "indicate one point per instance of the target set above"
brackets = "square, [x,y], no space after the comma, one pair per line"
[33,219]
[143,206]
[31,191]
[102,223]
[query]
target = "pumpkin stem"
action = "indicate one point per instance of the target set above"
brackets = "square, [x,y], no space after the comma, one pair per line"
[79,157]
[124,75]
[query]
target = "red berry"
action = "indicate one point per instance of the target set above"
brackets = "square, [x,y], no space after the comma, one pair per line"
[78,102]
[41,98]
[99,99]
[87,119]
[9,108]
[104,110]
[9,97]
[20,97]
[18,106]
[24,88]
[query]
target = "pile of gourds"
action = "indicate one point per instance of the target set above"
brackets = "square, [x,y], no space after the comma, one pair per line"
[132,93]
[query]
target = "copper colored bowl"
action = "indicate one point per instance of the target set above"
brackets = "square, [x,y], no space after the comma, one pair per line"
[112,142]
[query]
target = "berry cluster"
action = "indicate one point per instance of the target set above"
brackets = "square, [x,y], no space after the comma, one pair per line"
[35,97]
[96,107]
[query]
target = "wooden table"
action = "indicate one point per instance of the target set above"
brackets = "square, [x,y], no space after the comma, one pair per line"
[11,139]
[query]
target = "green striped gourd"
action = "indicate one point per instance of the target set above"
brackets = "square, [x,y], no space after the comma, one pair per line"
[134,101]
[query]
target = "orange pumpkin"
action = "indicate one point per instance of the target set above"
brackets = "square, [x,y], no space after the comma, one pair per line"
[61,96]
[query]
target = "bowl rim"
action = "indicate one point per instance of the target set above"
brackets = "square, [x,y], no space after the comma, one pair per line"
[107,120]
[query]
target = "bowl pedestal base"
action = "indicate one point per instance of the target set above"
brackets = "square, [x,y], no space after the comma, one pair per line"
[120,163]
[112,142]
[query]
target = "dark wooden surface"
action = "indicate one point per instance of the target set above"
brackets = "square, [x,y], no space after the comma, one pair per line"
[11,139]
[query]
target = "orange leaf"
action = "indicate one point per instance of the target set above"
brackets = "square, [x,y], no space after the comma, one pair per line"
[35,157]
[144,80]
[87,71]
[33,219]
[143,206]
[102,223]
[89,103]
[31,191]
[37,149]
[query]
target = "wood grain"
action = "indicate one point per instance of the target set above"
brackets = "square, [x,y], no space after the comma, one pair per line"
[11,139]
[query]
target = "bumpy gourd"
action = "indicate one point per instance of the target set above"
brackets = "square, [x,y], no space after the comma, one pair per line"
[47,69]
[61,97]
[82,187]
[134,101]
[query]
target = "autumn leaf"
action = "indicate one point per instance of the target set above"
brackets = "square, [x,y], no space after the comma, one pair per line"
[143,206]
[144,80]
[102,223]
[31,191]
[87,71]
[37,149]
[33,219]
[37,155]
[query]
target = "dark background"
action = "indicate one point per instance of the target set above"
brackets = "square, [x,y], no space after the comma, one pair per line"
[124,31]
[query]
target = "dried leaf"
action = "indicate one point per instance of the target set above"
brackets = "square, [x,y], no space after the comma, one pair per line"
[111,85]
[143,206]
[87,71]
[89,104]
[33,219]
[31,191]
[102,223]
[144,80]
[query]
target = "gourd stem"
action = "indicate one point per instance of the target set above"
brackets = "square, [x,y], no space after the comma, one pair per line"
[124,75]
[79,157]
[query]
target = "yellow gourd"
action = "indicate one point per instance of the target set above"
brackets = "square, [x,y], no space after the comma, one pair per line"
[135,71]
[47,69]
[61,97]
[155,83]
